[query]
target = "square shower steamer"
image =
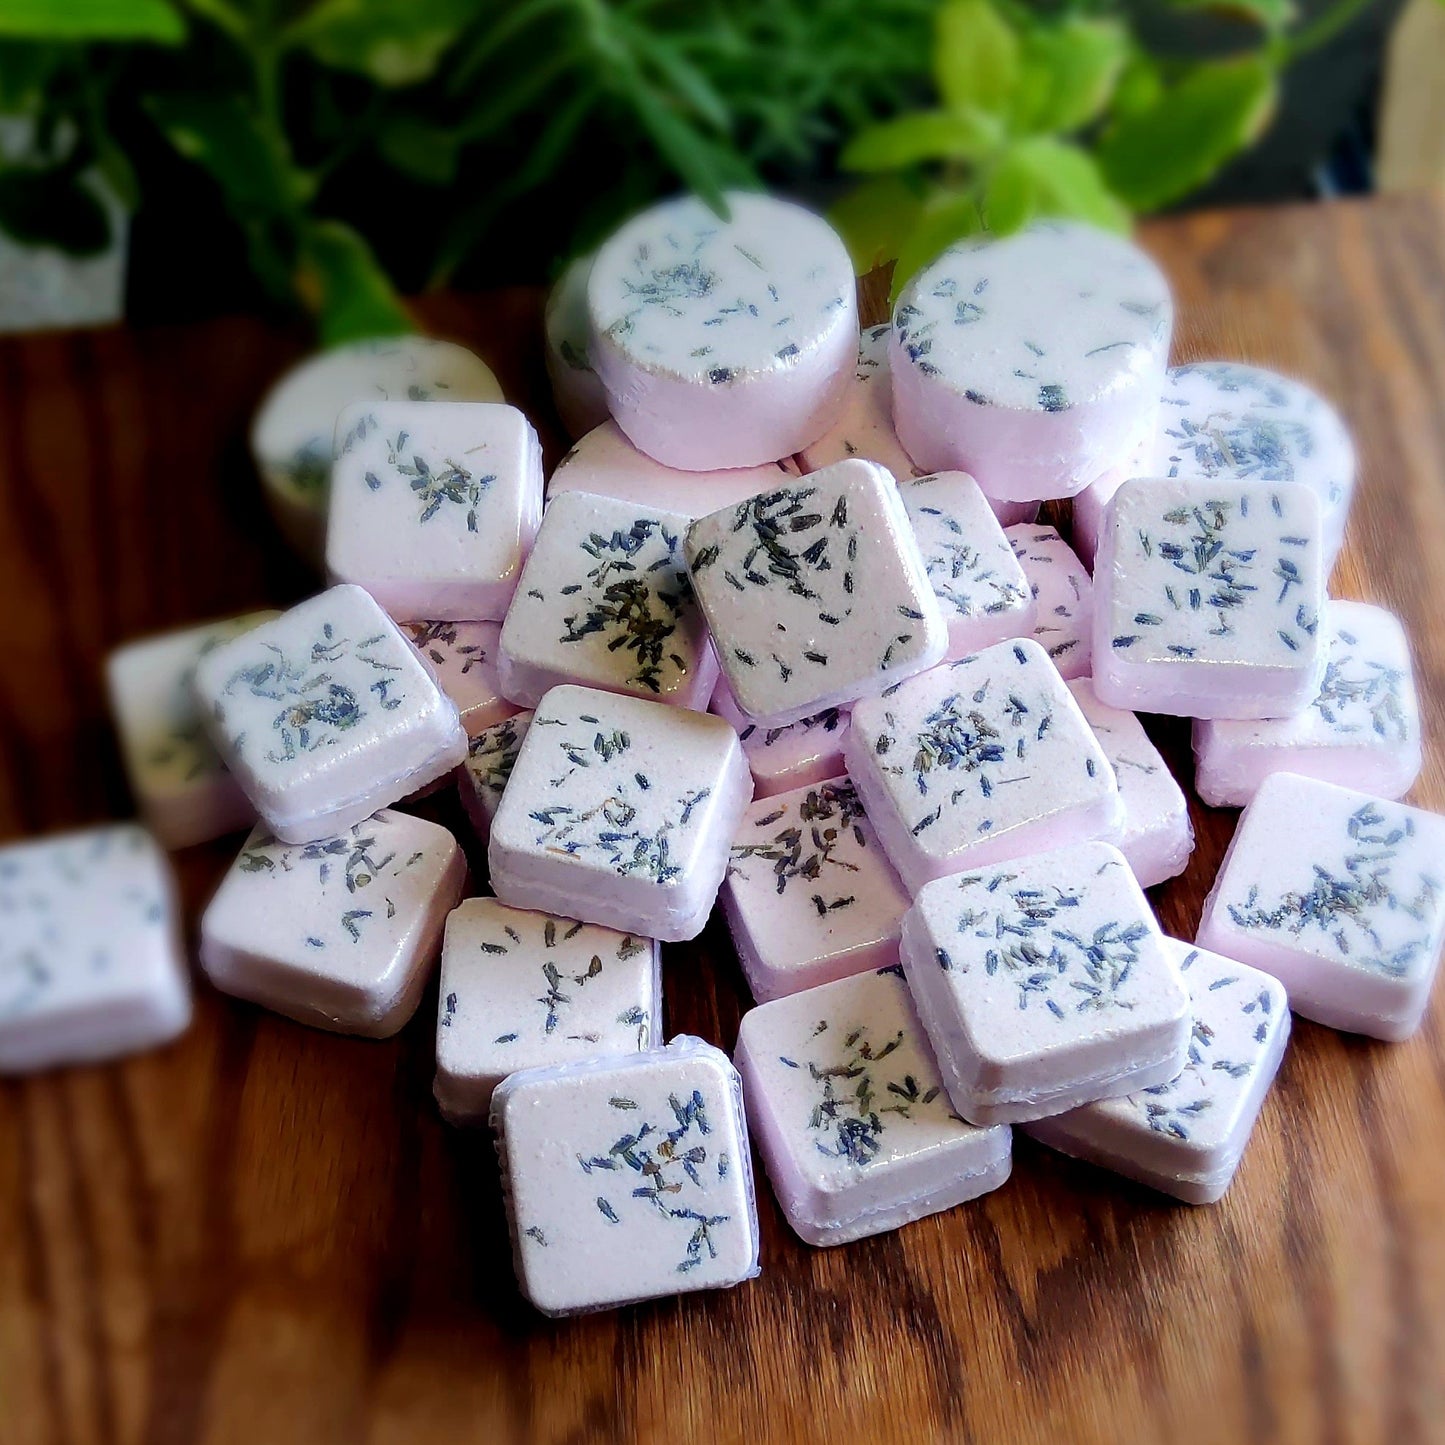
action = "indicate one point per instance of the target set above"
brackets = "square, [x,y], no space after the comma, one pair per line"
[983,759]
[1044,983]
[816,593]
[181,786]
[1186,1136]
[620,812]
[327,714]
[1339,896]
[605,601]
[340,933]
[809,895]
[627,1177]
[91,960]
[850,1114]
[520,990]
[1207,599]
[434,506]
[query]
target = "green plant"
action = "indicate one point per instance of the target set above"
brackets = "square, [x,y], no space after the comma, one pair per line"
[361,147]
[1061,112]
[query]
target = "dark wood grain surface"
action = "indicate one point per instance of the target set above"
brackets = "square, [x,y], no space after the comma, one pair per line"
[265,1234]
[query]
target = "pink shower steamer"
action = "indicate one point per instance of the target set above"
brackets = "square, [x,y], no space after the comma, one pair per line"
[1339,895]
[605,463]
[978,581]
[1225,420]
[521,990]
[483,776]
[1156,836]
[723,343]
[605,601]
[781,758]
[1362,730]
[809,896]
[92,962]
[1044,983]
[1034,363]
[464,656]
[341,933]
[627,1177]
[865,429]
[182,788]
[816,593]
[1187,1136]
[1207,599]
[978,761]
[434,506]
[851,1117]
[620,812]
[327,714]
[1063,595]
[576,389]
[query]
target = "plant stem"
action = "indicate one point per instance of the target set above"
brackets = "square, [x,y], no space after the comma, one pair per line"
[1320,31]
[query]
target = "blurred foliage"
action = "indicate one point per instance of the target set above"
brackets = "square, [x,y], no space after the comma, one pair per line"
[361,146]
[1060,110]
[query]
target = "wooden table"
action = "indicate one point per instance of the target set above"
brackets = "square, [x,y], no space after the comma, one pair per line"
[265,1234]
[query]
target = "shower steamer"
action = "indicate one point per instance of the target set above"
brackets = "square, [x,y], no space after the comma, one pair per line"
[92,966]
[816,593]
[1044,984]
[723,343]
[1035,362]
[977,761]
[809,896]
[576,390]
[1207,599]
[483,777]
[434,506]
[605,601]
[1361,730]
[620,812]
[181,786]
[1186,1137]
[786,757]
[977,579]
[1224,421]
[850,1115]
[520,990]
[627,1177]
[327,714]
[293,436]
[1063,594]
[1339,896]
[1155,836]
[341,933]
[606,464]
[464,656]
[865,429]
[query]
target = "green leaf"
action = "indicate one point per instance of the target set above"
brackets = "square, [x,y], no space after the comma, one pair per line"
[223,15]
[976,55]
[946,217]
[394,42]
[929,135]
[1270,15]
[875,219]
[53,207]
[25,71]
[1140,86]
[683,149]
[344,284]
[1067,72]
[92,20]
[224,137]
[417,148]
[1155,156]
[1042,176]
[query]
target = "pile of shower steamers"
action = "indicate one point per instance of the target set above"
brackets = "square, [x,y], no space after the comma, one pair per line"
[786,636]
